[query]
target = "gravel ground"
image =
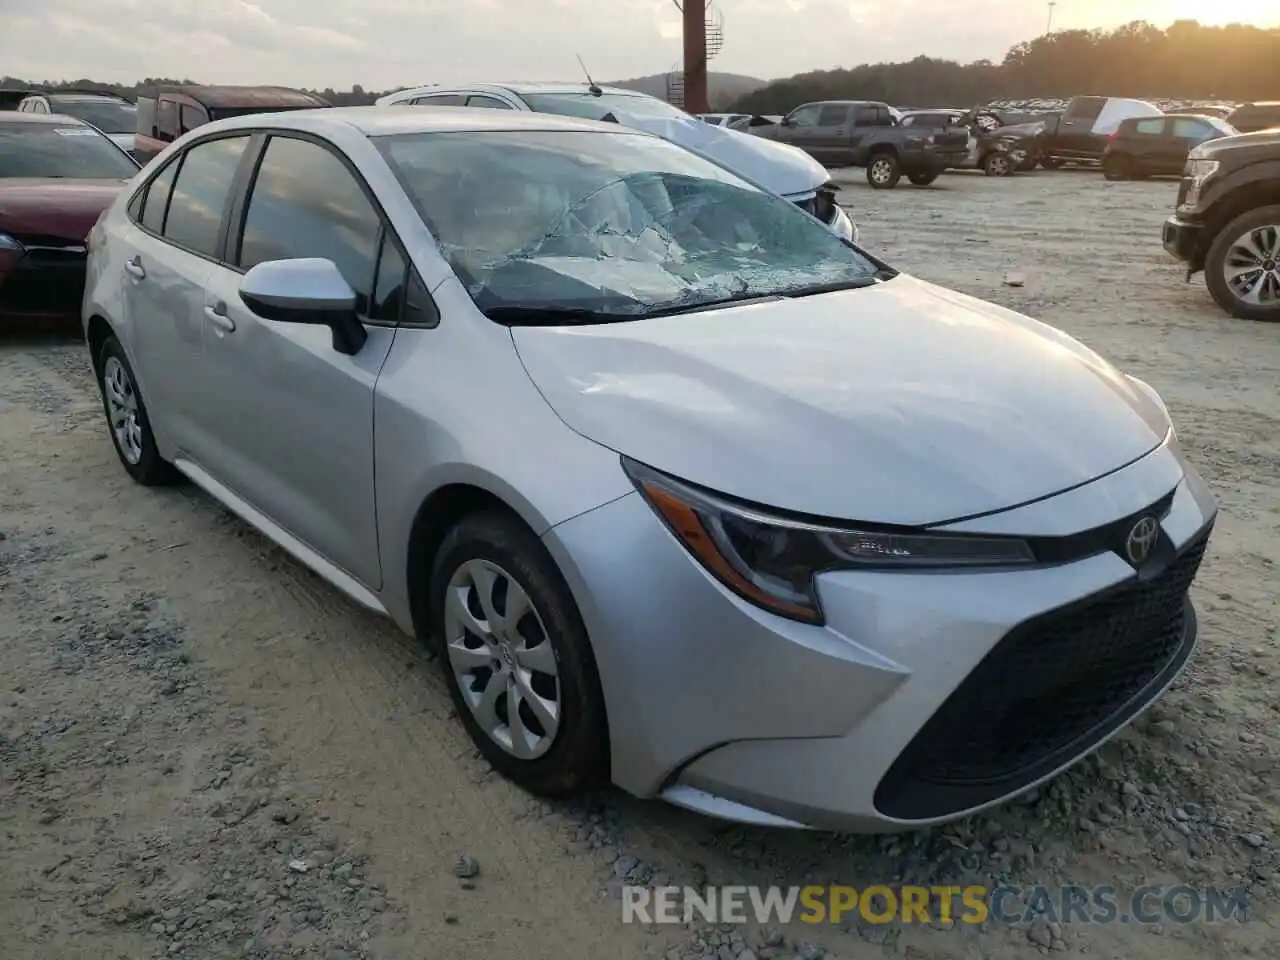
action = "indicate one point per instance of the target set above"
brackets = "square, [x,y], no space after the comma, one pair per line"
[206,752]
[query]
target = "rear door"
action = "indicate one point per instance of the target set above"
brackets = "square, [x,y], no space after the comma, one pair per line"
[173,241]
[1075,131]
[295,416]
[831,136]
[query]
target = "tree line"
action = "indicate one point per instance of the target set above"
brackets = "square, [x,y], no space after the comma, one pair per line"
[1184,61]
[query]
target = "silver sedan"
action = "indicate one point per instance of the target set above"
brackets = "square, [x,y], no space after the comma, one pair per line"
[686,491]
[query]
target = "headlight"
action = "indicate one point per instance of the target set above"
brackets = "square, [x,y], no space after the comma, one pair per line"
[11,251]
[7,243]
[842,226]
[1198,170]
[772,561]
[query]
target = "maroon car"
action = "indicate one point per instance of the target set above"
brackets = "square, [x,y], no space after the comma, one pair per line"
[57,175]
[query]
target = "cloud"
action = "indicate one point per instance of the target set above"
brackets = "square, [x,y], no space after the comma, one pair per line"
[386,43]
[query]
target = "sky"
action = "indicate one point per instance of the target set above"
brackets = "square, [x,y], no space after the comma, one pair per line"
[392,43]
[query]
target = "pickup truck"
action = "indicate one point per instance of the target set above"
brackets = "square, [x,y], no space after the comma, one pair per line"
[1083,130]
[861,133]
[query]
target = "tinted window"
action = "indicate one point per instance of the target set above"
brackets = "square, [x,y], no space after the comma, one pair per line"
[493,103]
[200,194]
[306,203]
[440,100]
[388,291]
[192,117]
[832,116]
[804,117]
[69,151]
[109,116]
[156,201]
[166,120]
[1185,129]
[1153,127]
[866,117]
[1085,108]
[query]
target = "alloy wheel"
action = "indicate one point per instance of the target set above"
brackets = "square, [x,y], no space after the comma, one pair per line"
[1252,266]
[501,658]
[881,171]
[122,409]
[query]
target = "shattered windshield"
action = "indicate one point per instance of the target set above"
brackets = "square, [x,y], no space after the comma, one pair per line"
[567,226]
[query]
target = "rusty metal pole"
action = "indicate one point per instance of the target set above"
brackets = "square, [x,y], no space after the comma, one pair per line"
[695,56]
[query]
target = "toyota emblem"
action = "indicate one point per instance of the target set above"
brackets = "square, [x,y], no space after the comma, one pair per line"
[1141,540]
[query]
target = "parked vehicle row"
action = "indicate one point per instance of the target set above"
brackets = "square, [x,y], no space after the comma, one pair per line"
[113,115]
[688,536]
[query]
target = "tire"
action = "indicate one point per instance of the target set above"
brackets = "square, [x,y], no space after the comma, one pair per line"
[1052,163]
[997,165]
[922,179]
[127,420]
[1117,167]
[1263,225]
[572,757]
[884,170]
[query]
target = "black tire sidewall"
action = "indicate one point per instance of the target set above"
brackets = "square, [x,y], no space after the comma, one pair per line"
[578,759]
[151,468]
[1216,258]
[1116,168]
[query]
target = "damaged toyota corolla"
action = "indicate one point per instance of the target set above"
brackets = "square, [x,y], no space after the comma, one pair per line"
[686,491]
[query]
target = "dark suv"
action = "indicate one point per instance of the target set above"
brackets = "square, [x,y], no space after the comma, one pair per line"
[1227,222]
[1151,146]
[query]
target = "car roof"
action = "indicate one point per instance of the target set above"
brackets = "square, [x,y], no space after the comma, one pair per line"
[79,95]
[48,119]
[389,121]
[232,97]
[520,88]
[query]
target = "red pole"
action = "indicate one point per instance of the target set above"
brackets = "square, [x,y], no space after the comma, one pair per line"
[695,56]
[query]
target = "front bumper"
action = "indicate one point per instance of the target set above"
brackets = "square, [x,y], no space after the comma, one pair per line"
[44,280]
[1182,239]
[871,723]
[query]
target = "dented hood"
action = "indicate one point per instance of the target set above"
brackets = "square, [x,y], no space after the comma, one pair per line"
[780,167]
[900,403]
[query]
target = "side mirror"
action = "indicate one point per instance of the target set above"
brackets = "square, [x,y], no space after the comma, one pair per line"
[310,290]
[786,122]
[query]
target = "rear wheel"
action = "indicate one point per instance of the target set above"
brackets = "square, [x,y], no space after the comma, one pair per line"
[923,178]
[515,654]
[884,171]
[127,419]
[1242,268]
[1117,167]
[997,165]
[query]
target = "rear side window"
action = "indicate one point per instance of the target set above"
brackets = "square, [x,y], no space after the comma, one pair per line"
[1185,129]
[440,100]
[305,202]
[832,116]
[200,193]
[866,116]
[156,201]
[493,103]
[1153,127]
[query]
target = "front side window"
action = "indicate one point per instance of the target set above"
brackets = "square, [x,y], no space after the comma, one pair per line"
[804,116]
[614,226]
[832,116]
[63,152]
[200,193]
[1153,127]
[305,202]
[589,107]
[109,116]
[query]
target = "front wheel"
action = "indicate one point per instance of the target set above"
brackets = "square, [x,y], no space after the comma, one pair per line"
[1242,268]
[997,165]
[516,656]
[127,419]
[884,171]
[923,178]
[1117,168]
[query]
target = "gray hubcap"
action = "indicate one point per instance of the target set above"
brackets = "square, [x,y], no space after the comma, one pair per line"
[122,409]
[881,171]
[1252,267]
[502,659]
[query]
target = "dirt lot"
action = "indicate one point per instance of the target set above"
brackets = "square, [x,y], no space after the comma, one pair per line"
[206,752]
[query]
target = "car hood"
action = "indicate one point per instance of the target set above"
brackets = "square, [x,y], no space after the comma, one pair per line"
[901,403]
[779,167]
[55,208]
[1261,141]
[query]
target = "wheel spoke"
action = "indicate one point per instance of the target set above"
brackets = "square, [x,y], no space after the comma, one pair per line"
[485,707]
[546,711]
[1234,271]
[467,659]
[517,605]
[520,734]
[484,579]
[458,618]
[539,657]
[1253,293]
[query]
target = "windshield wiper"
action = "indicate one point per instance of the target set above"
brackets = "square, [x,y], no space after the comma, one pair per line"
[833,286]
[515,315]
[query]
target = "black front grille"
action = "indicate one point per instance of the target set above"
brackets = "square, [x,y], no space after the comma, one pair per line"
[1047,692]
[47,280]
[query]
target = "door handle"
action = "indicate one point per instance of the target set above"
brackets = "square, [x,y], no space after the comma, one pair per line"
[217,314]
[133,267]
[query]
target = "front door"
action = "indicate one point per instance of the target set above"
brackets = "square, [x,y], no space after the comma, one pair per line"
[801,127]
[831,136]
[294,414]
[1076,137]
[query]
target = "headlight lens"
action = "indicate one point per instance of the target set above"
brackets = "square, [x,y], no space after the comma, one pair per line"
[9,244]
[1198,170]
[772,561]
